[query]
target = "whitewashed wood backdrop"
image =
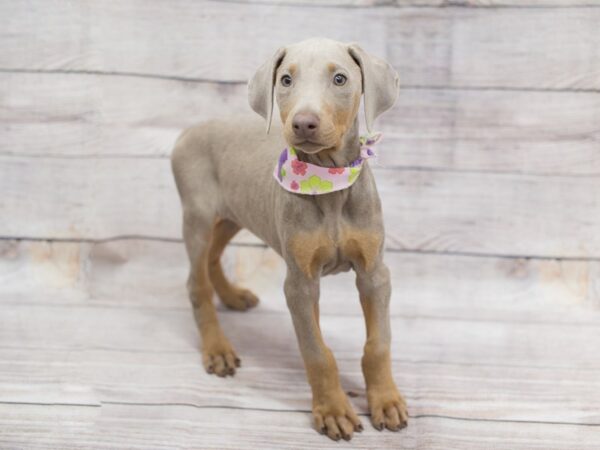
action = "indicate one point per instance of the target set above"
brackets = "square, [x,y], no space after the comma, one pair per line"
[490,180]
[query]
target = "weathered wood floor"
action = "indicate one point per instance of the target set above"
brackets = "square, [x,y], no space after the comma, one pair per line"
[99,349]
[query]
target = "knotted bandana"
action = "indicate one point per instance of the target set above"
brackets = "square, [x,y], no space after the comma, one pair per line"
[305,178]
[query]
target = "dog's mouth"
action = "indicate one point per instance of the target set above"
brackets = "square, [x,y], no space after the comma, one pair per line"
[310,147]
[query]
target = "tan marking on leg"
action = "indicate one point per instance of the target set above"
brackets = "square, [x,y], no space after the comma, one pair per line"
[311,251]
[332,411]
[376,363]
[362,247]
[388,407]
[218,355]
[232,296]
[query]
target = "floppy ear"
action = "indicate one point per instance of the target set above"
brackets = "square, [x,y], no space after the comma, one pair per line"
[380,83]
[261,87]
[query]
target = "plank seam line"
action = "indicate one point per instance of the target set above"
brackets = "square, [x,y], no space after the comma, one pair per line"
[267,313]
[375,166]
[447,4]
[137,237]
[242,82]
[407,168]
[88,156]
[305,411]
[86,405]
[339,357]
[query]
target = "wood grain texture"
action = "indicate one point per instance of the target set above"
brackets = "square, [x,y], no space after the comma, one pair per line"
[151,356]
[457,47]
[482,289]
[545,133]
[424,211]
[140,426]
[73,115]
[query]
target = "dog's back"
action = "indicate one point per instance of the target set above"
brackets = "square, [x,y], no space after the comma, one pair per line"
[223,167]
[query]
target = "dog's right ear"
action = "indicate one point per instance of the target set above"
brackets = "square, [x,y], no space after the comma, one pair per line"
[262,85]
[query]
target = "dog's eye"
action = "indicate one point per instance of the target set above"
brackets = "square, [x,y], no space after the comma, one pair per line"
[339,79]
[286,81]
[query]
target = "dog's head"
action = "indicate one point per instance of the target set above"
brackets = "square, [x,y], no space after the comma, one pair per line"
[318,85]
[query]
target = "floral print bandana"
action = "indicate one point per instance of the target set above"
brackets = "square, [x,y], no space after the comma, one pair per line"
[305,178]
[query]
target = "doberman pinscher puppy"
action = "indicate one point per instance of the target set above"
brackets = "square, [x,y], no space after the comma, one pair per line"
[224,170]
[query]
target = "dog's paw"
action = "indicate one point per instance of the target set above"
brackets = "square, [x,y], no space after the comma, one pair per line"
[220,358]
[239,299]
[335,417]
[388,409]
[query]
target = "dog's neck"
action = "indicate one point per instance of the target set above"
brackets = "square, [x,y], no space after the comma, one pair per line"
[348,152]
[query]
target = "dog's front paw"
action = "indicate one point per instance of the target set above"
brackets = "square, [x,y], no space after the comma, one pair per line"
[334,416]
[388,408]
[219,357]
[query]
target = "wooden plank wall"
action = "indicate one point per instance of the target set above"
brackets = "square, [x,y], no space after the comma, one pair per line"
[489,175]
[497,123]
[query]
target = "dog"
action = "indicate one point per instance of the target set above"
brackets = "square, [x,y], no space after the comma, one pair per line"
[224,171]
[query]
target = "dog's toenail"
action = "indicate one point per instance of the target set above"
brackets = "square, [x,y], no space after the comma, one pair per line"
[359,427]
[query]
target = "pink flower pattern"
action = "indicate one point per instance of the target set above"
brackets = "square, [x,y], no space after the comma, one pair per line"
[305,178]
[299,167]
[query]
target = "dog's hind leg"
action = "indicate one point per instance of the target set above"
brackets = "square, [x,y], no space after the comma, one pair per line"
[198,189]
[217,352]
[232,296]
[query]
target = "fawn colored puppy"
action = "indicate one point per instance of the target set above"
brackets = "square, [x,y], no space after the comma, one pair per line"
[224,170]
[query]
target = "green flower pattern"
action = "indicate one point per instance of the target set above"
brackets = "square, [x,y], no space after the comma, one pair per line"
[354,171]
[315,184]
[296,176]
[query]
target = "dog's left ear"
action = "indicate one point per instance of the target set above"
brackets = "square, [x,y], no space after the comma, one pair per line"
[261,87]
[380,83]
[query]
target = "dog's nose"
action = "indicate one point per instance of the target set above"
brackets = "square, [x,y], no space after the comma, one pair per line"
[305,124]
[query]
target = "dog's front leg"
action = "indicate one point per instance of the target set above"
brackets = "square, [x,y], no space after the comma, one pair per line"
[388,408]
[332,412]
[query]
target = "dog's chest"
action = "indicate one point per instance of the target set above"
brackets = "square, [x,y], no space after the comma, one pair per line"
[333,234]
[323,251]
